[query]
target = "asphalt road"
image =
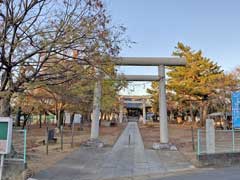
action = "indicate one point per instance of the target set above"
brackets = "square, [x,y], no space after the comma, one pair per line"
[232,173]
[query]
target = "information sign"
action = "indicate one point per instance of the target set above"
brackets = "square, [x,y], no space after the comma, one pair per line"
[236,109]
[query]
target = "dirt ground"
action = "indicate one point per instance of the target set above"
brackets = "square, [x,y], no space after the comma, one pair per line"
[38,160]
[179,135]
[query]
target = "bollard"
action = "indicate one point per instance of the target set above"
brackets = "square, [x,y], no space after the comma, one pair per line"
[72,134]
[193,144]
[129,139]
[61,131]
[233,140]
[25,149]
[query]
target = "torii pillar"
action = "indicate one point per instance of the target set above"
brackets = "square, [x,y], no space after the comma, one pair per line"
[96,107]
[121,105]
[144,110]
[162,106]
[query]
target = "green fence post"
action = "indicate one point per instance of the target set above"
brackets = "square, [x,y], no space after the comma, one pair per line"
[233,140]
[25,148]
[199,141]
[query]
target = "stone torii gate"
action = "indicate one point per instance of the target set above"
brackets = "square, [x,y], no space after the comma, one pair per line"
[161,62]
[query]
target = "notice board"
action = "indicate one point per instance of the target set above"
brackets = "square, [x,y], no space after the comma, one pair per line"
[5,135]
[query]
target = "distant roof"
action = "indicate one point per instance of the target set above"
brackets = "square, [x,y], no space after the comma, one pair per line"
[133,105]
[136,101]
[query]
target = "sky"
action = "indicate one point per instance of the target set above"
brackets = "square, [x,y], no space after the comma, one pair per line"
[158,25]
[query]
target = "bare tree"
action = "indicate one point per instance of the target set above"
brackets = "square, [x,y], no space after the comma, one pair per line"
[34,31]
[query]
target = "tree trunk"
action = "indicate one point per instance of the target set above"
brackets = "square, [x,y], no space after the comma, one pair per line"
[57,116]
[26,117]
[60,118]
[203,113]
[45,118]
[191,112]
[18,117]
[5,108]
[72,118]
[89,117]
[40,120]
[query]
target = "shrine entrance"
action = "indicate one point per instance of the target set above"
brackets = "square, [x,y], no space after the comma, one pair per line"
[134,112]
[140,61]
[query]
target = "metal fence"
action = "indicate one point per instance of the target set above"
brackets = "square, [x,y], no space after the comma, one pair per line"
[19,147]
[64,137]
[226,141]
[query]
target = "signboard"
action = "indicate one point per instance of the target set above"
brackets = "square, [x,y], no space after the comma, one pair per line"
[236,109]
[5,135]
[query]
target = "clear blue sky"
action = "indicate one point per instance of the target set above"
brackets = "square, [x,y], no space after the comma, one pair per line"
[157,25]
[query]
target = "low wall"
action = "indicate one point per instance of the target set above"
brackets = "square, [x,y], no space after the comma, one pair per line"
[13,169]
[219,159]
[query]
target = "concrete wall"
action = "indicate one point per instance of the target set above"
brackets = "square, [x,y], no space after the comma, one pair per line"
[13,169]
[219,159]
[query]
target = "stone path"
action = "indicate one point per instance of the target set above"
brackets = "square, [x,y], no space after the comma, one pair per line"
[123,160]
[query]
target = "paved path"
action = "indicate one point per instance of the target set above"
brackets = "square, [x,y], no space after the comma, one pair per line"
[123,160]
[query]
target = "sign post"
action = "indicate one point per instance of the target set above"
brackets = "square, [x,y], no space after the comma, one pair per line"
[235,110]
[5,139]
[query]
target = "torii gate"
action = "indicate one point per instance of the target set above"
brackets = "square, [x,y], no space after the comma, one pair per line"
[140,100]
[161,62]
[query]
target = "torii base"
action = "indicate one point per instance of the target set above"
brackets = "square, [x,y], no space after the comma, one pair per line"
[93,143]
[164,146]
